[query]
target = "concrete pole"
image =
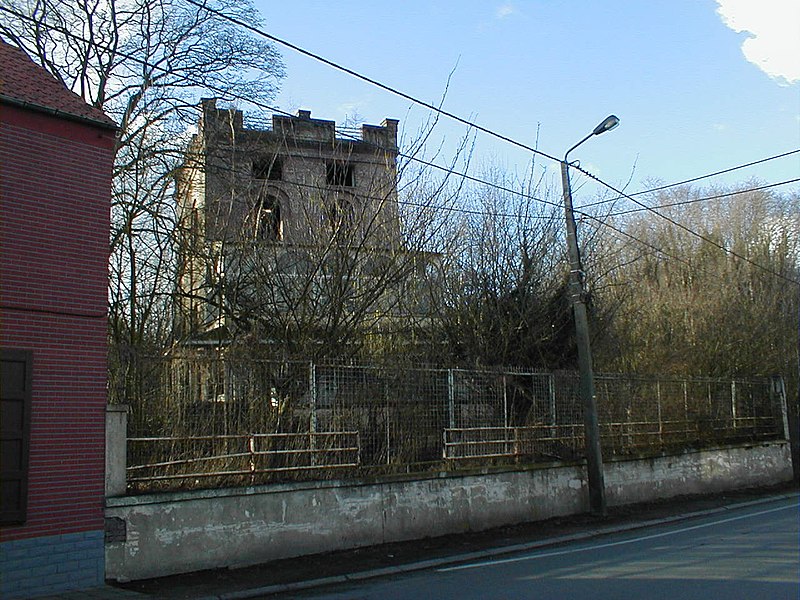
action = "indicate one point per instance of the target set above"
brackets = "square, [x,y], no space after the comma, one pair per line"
[794,411]
[116,449]
[594,456]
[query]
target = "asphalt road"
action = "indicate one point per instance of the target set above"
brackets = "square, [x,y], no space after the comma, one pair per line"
[748,553]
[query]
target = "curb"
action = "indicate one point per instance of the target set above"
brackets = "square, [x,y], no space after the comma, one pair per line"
[484,554]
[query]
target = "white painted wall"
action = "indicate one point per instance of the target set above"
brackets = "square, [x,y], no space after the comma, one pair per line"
[183,532]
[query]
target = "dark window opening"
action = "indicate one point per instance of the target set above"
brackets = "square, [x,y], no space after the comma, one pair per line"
[340,174]
[269,167]
[267,219]
[15,417]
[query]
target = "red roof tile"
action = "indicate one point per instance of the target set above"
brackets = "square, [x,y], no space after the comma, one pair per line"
[24,82]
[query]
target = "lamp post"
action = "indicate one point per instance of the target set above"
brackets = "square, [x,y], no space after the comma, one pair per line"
[594,456]
[794,411]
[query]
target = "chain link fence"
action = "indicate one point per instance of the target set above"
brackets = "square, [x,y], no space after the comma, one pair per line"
[215,422]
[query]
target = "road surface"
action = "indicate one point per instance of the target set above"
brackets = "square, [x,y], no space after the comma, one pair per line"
[748,553]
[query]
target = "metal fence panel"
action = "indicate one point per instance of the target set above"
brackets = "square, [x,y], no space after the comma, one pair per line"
[202,422]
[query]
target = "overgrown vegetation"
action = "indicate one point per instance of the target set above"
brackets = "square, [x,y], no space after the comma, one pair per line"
[493,280]
[692,308]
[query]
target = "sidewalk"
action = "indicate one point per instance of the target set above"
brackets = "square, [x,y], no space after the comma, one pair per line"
[285,576]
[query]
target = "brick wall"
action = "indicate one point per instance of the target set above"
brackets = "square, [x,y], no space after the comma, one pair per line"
[48,565]
[55,221]
[54,227]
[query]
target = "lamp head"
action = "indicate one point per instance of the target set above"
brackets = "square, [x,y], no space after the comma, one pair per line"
[609,123]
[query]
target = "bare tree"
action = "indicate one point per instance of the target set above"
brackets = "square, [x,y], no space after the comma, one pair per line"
[503,298]
[145,63]
[694,308]
[296,241]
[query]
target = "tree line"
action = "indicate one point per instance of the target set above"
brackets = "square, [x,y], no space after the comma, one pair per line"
[479,277]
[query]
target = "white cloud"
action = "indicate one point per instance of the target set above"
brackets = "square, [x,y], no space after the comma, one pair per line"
[505,10]
[773,28]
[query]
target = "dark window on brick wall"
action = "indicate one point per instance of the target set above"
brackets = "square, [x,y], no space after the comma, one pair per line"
[16,377]
[340,174]
[268,167]
[266,219]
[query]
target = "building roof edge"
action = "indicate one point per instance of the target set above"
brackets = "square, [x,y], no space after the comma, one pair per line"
[32,106]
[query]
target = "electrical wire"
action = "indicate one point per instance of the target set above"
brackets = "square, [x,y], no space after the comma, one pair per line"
[690,231]
[263,106]
[450,115]
[602,221]
[701,177]
[703,199]
[447,170]
[260,32]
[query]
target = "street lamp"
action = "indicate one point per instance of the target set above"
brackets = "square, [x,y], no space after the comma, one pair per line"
[594,456]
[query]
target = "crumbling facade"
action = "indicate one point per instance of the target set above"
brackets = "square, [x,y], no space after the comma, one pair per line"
[274,217]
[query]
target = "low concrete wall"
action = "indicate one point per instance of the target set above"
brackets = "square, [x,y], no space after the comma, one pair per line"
[702,472]
[174,533]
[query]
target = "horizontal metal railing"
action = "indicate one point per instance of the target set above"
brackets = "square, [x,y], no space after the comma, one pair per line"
[468,443]
[296,452]
[193,426]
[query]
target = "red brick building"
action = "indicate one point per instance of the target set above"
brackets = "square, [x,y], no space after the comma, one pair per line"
[56,157]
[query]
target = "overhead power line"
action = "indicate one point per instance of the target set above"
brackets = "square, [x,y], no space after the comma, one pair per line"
[447,170]
[227,94]
[701,177]
[691,231]
[703,199]
[601,221]
[260,32]
[450,115]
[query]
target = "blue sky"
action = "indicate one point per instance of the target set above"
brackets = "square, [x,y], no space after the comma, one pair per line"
[689,98]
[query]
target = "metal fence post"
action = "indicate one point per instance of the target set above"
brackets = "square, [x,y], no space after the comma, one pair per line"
[553,419]
[733,402]
[451,401]
[251,449]
[778,393]
[660,418]
[387,414]
[505,413]
[685,401]
[312,417]
[505,401]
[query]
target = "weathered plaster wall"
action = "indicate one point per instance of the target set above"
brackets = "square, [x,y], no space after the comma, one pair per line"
[174,533]
[701,472]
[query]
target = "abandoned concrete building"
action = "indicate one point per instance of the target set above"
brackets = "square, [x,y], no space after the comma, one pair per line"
[288,223]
